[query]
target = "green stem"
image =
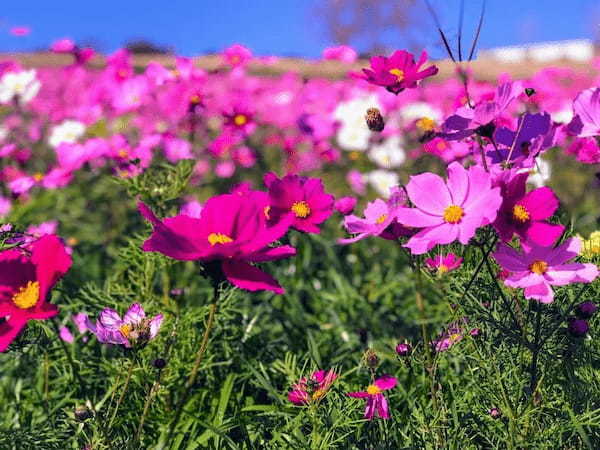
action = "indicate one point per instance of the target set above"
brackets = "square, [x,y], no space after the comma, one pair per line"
[123,392]
[194,373]
[536,349]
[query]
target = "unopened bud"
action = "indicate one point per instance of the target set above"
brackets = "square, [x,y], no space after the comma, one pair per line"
[495,413]
[586,309]
[374,120]
[82,413]
[159,363]
[578,327]
[403,349]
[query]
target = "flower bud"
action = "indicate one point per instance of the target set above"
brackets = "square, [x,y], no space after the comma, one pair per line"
[159,363]
[495,413]
[578,327]
[371,359]
[403,349]
[586,310]
[345,205]
[374,119]
[82,413]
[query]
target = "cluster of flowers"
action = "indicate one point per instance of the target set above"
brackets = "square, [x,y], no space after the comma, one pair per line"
[120,120]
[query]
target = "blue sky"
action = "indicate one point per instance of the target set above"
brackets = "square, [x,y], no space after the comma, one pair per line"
[280,27]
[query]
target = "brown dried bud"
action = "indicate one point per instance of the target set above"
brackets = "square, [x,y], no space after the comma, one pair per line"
[374,119]
[371,359]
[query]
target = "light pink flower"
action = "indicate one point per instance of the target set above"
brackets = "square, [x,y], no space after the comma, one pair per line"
[451,210]
[537,268]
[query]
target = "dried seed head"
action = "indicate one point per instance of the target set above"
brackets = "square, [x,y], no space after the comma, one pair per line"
[374,120]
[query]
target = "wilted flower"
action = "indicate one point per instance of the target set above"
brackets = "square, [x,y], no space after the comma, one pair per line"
[376,402]
[312,389]
[133,330]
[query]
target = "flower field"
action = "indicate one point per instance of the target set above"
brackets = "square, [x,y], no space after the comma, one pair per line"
[200,258]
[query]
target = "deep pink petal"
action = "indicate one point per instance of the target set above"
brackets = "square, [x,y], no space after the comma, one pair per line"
[248,277]
[386,382]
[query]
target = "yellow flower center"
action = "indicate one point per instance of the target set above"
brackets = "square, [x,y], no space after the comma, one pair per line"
[267,210]
[195,99]
[373,390]
[441,145]
[301,209]
[354,155]
[318,394]
[540,267]
[125,329]
[38,176]
[453,214]
[442,269]
[425,124]
[218,238]
[398,73]
[520,214]
[454,337]
[123,153]
[28,295]
[240,120]
[381,219]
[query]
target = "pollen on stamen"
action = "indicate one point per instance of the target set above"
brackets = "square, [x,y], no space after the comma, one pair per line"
[520,213]
[301,209]
[540,267]
[397,73]
[218,238]
[453,214]
[373,390]
[382,218]
[240,120]
[27,296]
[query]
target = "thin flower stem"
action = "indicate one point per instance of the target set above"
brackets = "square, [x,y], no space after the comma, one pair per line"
[199,356]
[68,354]
[123,392]
[536,348]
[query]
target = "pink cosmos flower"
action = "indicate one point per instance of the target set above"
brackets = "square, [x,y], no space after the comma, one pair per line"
[379,215]
[134,329]
[444,263]
[237,55]
[453,334]
[341,53]
[64,45]
[345,205]
[525,214]
[449,211]
[233,230]
[376,402]
[398,72]
[304,197]
[586,109]
[25,280]
[313,389]
[586,150]
[538,268]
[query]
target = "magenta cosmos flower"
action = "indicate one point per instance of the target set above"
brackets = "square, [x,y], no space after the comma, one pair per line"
[304,197]
[444,263]
[134,329]
[449,211]
[376,402]
[232,229]
[398,72]
[313,389]
[525,214]
[586,110]
[25,280]
[537,268]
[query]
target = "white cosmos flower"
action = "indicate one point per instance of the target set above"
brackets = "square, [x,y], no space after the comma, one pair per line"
[540,173]
[418,110]
[354,133]
[389,154]
[382,181]
[23,85]
[68,131]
